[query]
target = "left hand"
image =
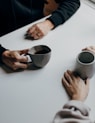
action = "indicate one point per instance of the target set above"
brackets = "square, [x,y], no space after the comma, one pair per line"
[39,30]
[15,59]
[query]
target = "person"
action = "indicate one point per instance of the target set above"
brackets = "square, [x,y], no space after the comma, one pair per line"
[74,111]
[18,13]
[14,59]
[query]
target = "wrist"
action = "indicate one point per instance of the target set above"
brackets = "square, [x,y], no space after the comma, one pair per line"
[78,98]
[49,24]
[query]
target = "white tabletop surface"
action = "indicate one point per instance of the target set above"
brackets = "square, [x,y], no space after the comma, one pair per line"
[34,96]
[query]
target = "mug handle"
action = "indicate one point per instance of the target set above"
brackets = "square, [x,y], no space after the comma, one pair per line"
[28,57]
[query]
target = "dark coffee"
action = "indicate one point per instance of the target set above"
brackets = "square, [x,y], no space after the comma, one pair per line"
[86,57]
[41,52]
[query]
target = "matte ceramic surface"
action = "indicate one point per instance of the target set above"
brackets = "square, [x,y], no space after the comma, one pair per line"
[85,64]
[40,55]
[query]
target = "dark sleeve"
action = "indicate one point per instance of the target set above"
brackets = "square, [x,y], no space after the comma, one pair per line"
[2,49]
[65,10]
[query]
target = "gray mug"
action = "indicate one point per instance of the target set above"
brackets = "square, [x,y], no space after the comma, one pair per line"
[40,55]
[85,64]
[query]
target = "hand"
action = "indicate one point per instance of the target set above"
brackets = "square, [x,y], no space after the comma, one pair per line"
[76,88]
[90,48]
[15,59]
[39,30]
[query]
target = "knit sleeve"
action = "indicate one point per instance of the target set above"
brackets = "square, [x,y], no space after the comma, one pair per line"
[65,10]
[73,112]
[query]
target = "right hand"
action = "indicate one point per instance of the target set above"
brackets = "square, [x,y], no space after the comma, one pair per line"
[15,59]
[76,88]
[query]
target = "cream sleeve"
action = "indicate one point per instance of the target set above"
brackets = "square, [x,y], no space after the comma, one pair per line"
[73,112]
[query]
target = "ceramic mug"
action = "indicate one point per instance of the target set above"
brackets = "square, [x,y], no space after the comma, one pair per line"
[85,64]
[93,1]
[40,55]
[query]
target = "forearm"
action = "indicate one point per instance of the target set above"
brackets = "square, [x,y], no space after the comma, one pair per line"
[65,10]
[73,111]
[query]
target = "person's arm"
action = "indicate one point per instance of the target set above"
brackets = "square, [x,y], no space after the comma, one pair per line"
[65,10]
[73,112]
[2,49]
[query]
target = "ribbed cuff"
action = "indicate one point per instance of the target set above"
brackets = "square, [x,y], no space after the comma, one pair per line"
[56,19]
[78,105]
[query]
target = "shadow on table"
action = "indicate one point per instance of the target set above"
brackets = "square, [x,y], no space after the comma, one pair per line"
[32,67]
[9,70]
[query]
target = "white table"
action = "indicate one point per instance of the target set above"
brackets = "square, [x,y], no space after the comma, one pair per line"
[34,96]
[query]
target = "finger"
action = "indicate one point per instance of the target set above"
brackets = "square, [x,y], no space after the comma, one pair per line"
[18,65]
[88,48]
[22,59]
[34,34]
[71,74]
[36,37]
[15,65]
[67,76]
[8,62]
[23,51]
[39,30]
[84,49]
[31,29]
[37,33]
[92,47]
[74,76]
[64,82]
[40,34]
[19,58]
[66,86]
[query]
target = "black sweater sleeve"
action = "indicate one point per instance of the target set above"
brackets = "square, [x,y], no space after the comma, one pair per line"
[2,49]
[65,10]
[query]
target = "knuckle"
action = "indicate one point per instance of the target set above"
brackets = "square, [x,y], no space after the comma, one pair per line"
[14,66]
